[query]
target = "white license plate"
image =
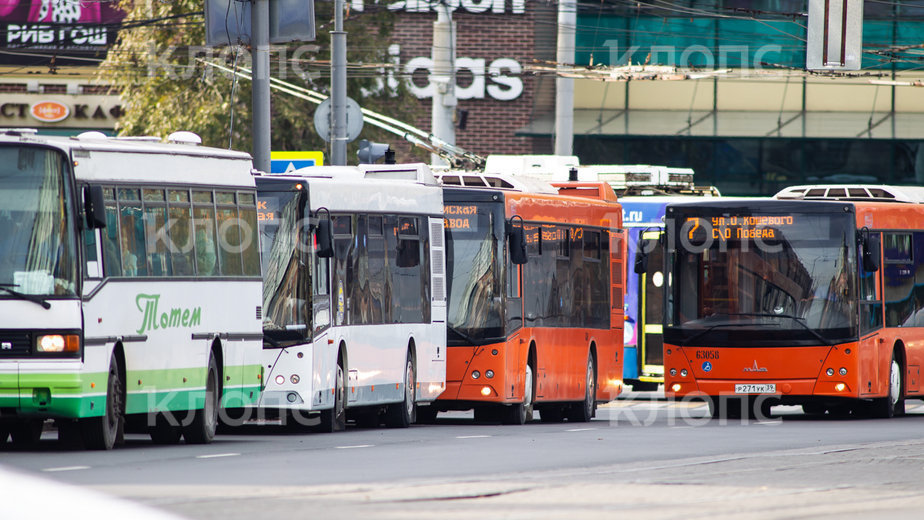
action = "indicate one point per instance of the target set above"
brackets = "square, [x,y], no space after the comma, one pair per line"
[747,388]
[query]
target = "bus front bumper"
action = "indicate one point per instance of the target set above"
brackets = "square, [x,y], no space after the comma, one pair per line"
[51,390]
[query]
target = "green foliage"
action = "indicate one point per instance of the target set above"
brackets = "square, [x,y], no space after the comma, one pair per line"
[165,88]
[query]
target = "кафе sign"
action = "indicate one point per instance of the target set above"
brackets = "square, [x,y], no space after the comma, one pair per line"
[42,110]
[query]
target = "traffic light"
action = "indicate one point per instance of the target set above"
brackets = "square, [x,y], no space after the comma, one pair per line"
[370,152]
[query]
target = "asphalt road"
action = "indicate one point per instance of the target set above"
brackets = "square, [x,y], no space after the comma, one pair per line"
[652,459]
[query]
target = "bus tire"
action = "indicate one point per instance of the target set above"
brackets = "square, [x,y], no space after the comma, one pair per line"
[204,424]
[584,411]
[163,432]
[102,433]
[334,420]
[893,403]
[27,432]
[521,413]
[403,414]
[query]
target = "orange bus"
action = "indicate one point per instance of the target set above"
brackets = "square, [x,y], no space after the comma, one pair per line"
[811,298]
[535,275]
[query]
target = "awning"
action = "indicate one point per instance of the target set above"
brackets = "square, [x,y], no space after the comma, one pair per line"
[734,124]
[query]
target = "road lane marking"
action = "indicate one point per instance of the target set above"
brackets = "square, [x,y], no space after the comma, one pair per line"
[217,455]
[580,429]
[65,468]
[352,447]
[472,436]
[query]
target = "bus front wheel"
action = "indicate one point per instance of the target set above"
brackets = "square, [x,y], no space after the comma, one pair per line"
[521,413]
[202,428]
[893,403]
[403,414]
[334,420]
[584,411]
[102,433]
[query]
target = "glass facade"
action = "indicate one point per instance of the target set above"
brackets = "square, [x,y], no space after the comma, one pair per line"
[759,34]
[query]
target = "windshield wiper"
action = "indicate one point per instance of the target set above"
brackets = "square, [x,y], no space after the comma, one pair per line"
[798,320]
[704,331]
[22,296]
[468,339]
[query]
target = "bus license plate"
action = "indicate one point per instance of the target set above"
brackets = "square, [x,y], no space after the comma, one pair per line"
[767,388]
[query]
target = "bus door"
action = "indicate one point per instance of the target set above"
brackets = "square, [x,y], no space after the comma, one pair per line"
[651,304]
[514,355]
[870,308]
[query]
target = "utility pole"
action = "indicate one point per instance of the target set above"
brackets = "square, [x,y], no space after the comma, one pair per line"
[564,87]
[443,77]
[261,90]
[338,90]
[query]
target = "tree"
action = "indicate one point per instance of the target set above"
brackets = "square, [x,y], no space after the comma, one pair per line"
[156,66]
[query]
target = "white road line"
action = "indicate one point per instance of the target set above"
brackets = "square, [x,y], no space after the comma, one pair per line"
[580,429]
[66,468]
[217,455]
[472,436]
[352,447]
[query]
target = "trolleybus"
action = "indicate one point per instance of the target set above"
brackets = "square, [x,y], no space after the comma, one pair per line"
[129,287]
[354,303]
[535,276]
[811,298]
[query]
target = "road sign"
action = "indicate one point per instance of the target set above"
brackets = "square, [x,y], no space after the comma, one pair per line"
[285,162]
[228,22]
[354,117]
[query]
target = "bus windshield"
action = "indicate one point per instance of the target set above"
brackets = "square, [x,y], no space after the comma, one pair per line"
[285,300]
[758,278]
[474,232]
[36,233]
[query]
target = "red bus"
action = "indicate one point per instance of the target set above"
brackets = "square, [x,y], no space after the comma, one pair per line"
[813,298]
[535,275]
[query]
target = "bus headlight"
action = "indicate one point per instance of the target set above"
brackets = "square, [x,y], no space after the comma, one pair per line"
[489,374]
[842,371]
[58,343]
[476,374]
[295,379]
[673,372]
[830,372]
[683,373]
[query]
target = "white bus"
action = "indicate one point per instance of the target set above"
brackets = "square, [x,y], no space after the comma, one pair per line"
[354,293]
[129,287]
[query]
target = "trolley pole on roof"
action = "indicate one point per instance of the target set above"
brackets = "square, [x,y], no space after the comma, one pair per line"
[338,90]
[261,85]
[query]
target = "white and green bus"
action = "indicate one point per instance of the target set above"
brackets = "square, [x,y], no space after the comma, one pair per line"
[354,293]
[130,289]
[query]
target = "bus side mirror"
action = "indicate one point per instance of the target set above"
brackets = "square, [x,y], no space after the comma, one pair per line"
[641,262]
[93,207]
[871,249]
[516,241]
[324,235]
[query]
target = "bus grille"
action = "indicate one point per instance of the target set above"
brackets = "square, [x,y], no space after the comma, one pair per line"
[15,344]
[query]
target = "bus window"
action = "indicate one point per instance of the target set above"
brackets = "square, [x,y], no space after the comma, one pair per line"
[131,223]
[250,252]
[155,220]
[206,255]
[112,257]
[229,229]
